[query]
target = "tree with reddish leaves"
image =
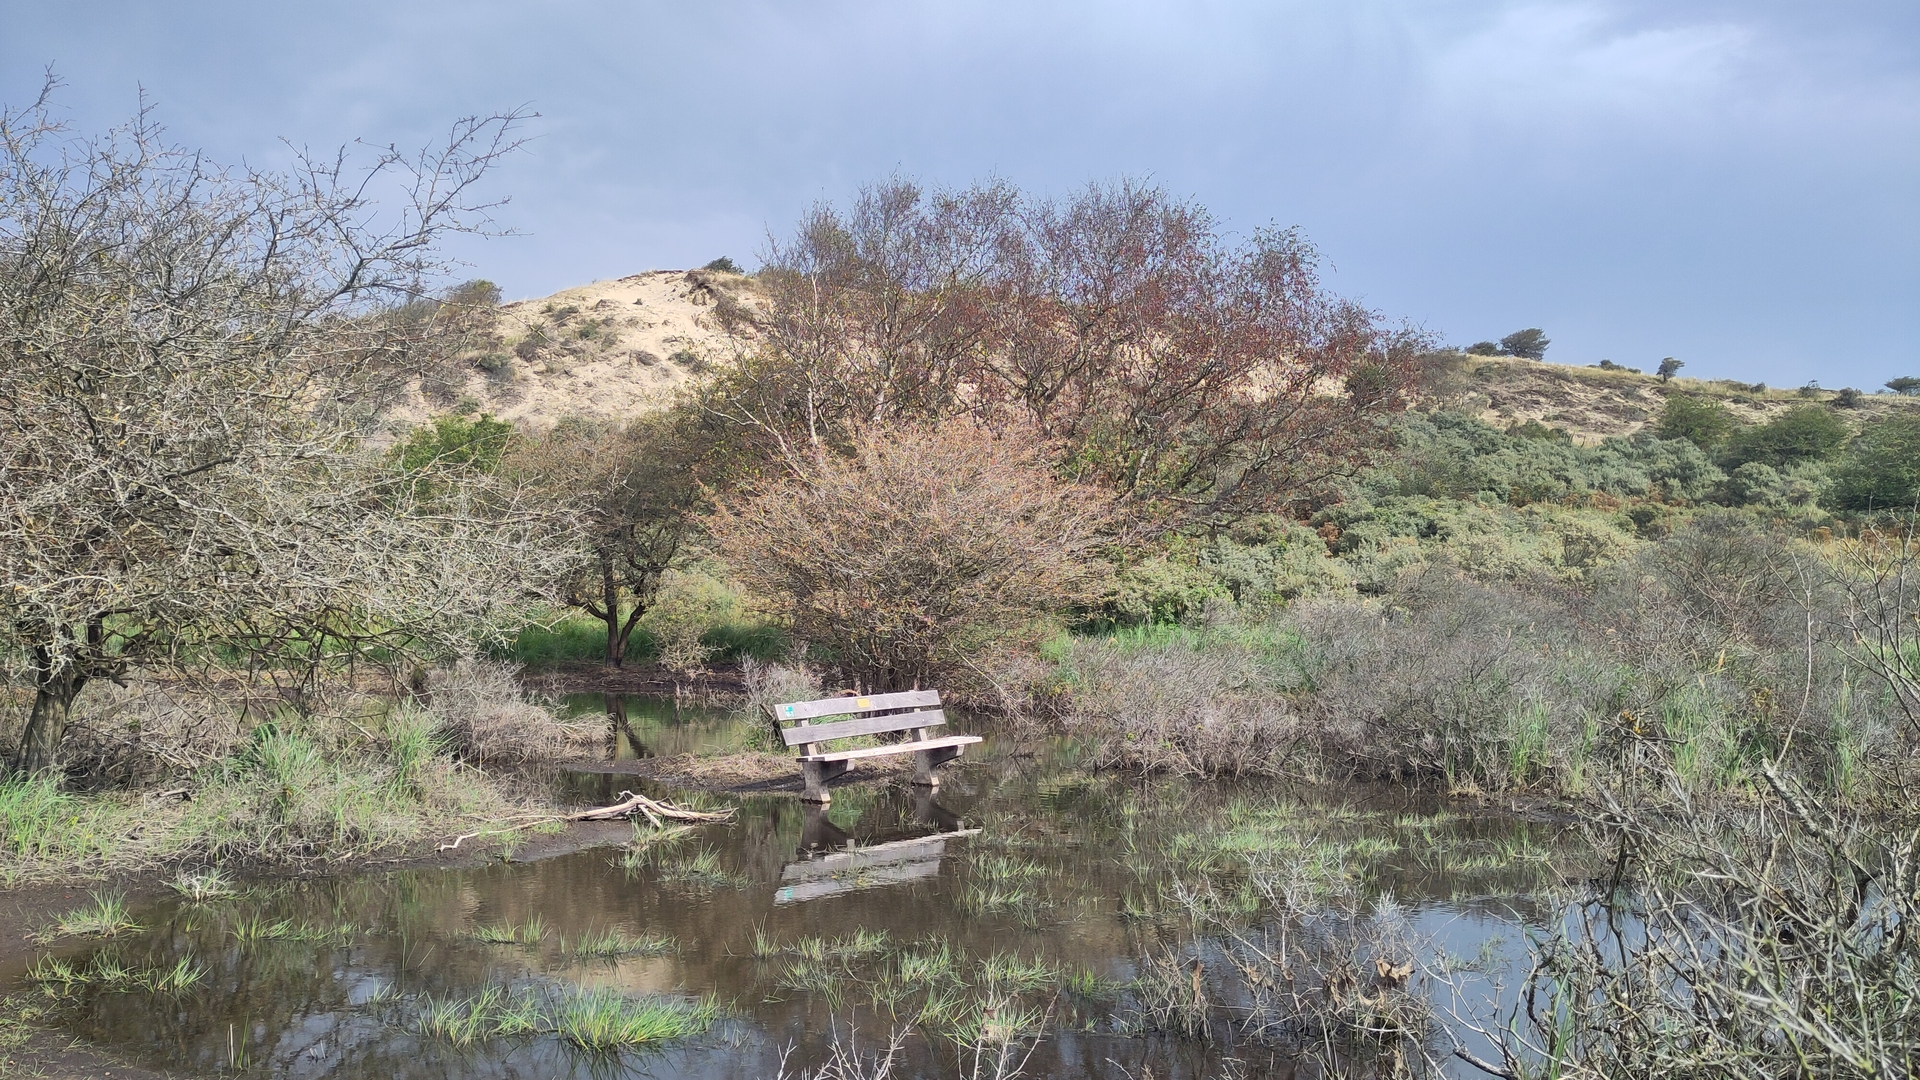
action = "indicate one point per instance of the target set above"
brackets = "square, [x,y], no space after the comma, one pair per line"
[1193,377]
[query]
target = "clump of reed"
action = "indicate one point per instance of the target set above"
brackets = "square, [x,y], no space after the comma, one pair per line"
[104,915]
[108,971]
[599,1020]
[529,932]
[701,871]
[203,885]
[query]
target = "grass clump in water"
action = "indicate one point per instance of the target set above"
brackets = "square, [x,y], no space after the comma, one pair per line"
[702,871]
[104,916]
[209,884]
[612,944]
[108,972]
[605,1020]
[526,933]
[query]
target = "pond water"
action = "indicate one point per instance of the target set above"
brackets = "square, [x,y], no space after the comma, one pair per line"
[1084,924]
[650,726]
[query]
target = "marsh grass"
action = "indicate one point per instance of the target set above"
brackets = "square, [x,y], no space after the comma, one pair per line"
[612,944]
[604,1020]
[651,846]
[526,933]
[256,928]
[105,915]
[107,971]
[299,790]
[203,885]
[701,871]
[599,1020]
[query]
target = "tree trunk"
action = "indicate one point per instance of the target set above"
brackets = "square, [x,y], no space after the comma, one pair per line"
[610,604]
[47,724]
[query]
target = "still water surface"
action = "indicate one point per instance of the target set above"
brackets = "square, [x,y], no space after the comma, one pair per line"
[1029,891]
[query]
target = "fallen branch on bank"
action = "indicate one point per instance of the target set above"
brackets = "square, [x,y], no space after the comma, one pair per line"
[656,812]
[630,804]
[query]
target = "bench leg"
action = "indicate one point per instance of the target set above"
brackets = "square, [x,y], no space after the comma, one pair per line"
[817,773]
[925,761]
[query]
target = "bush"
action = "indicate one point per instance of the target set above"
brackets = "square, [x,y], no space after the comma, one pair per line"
[1704,422]
[482,713]
[1755,484]
[1802,433]
[455,442]
[1189,703]
[1484,348]
[926,546]
[724,265]
[1160,589]
[1881,470]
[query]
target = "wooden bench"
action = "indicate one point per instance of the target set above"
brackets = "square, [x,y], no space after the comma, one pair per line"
[872,715]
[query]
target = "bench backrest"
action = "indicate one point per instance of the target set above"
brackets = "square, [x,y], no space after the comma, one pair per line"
[870,715]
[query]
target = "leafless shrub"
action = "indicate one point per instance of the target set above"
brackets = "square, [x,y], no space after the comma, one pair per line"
[486,716]
[1180,709]
[1878,577]
[1447,677]
[845,1061]
[769,684]
[191,358]
[1339,985]
[926,546]
[144,729]
[1763,941]
[1316,971]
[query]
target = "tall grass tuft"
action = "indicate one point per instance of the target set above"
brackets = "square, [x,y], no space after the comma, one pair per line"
[104,916]
[605,1020]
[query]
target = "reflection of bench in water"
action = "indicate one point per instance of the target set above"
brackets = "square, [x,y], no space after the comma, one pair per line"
[834,865]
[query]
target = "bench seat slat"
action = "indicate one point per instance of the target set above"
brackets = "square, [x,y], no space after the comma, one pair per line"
[841,706]
[866,725]
[894,748]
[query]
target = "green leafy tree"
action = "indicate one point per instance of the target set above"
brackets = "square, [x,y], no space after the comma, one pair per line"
[455,442]
[635,489]
[1881,470]
[1704,422]
[1905,385]
[1530,344]
[1802,433]
[1669,367]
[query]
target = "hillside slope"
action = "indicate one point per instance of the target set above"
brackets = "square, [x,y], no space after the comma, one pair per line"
[606,350]
[1592,404]
[610,349]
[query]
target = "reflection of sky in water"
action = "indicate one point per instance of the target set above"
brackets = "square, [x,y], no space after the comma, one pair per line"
[1080,844]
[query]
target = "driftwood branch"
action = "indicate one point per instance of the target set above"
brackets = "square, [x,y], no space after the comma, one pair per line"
[630,804]
[655,811]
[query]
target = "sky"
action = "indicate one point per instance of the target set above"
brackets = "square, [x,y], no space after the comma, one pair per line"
[1735,183]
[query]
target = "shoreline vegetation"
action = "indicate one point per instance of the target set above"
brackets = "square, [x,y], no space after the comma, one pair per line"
[1096,467]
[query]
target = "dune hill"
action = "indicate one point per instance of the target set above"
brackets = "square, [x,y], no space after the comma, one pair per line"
[611,349]
[606,350]
[1592,404]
